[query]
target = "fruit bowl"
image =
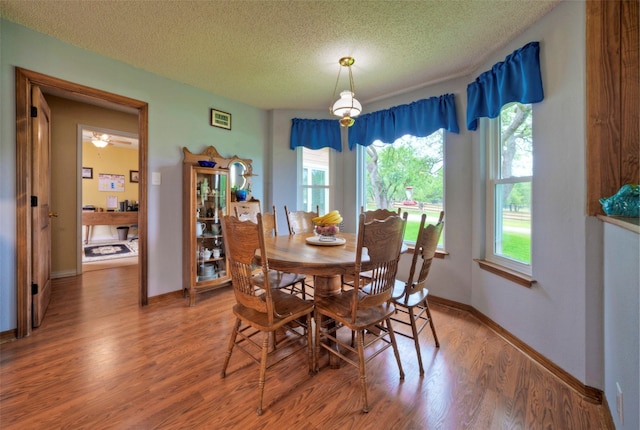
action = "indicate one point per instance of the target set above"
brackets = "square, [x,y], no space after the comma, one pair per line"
[327,229]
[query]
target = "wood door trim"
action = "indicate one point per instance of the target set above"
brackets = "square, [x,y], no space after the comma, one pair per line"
[24,81]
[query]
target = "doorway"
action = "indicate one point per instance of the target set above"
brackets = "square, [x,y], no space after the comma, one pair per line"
[108,156]
[25,81]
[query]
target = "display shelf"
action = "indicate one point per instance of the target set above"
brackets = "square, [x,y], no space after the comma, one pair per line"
[207,197]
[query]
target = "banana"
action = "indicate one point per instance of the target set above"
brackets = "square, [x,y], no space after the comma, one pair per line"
[332,217]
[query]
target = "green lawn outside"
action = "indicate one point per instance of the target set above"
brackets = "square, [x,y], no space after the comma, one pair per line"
[516,245]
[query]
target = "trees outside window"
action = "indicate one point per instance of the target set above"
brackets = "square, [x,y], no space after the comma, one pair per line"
[509,142]
[407,174]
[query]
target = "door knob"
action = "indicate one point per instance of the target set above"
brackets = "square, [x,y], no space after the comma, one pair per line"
[53,214]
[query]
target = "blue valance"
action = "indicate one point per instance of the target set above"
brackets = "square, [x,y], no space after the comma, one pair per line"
[420,118]
[315,134]
[516,79]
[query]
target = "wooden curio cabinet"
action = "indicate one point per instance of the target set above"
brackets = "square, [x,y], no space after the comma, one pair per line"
[206,197]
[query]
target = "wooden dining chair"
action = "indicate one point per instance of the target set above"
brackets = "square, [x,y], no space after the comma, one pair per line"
[410,297]
[300,221]
[296,283]
[378,213]
[277,279]
[259,308]
[364,312]
[247,211]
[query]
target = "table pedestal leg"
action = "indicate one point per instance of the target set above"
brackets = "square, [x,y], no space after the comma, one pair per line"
[329,286]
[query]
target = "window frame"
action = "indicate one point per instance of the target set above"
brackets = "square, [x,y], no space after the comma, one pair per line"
[491,132]
[302,189]
[361,196]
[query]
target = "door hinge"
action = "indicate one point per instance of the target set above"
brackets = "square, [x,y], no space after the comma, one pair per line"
[34,201]
[34,289]
[34,112]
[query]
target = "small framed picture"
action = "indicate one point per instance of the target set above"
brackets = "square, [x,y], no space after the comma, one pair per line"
[133,176]
[87,173]
[220,119]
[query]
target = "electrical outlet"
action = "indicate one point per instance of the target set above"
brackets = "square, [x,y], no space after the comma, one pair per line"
[619,404]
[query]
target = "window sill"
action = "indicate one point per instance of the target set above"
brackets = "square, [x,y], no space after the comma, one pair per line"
[631,224]
[503,272]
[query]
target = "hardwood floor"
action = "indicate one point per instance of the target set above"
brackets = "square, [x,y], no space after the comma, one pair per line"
[100,361]
[109,264]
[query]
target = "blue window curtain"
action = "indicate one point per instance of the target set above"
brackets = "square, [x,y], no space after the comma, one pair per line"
[315,134]
[420,118]
[516,79]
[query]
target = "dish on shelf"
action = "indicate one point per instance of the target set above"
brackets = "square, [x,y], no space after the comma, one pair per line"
[315,240]
[205,163]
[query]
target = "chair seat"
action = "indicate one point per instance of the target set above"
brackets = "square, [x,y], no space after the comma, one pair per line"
[338,308]
[279,279]
[289,306]
[413,299]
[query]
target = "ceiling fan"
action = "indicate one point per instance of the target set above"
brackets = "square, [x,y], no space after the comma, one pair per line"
[102,139]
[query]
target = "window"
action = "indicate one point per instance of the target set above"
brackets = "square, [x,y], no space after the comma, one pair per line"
[315,180]
[509,141]
[407,174]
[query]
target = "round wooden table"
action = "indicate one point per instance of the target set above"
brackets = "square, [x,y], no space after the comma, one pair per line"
[327,264]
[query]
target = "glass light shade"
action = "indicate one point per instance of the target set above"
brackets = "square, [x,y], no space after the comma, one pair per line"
[346,105]
[100,143]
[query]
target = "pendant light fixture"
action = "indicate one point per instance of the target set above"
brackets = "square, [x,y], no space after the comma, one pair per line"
[346,107]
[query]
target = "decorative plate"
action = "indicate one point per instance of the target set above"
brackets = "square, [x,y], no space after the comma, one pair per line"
[314,240]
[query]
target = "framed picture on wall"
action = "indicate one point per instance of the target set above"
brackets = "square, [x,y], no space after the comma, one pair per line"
[220,119]
[87,173]
[133,176]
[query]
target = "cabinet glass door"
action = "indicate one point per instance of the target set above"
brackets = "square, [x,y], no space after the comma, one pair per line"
[211,202]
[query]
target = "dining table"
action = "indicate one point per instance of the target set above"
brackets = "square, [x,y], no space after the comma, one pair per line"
[327,261]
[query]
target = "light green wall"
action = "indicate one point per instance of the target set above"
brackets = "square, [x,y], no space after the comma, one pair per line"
[178,117]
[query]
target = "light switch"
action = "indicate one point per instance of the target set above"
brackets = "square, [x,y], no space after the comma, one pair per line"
[156,179]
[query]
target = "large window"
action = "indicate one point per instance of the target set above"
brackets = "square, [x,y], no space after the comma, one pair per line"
[408,174]
[510,170]
[315,181]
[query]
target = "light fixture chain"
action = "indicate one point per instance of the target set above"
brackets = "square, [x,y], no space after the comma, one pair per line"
[334,91]
[351,86]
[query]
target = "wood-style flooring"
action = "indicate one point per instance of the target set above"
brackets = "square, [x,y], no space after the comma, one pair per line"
[99,361]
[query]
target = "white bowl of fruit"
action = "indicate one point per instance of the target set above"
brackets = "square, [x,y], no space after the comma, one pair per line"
[326,226]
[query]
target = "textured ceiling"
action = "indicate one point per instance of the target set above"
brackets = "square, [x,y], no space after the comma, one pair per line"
[284,54]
